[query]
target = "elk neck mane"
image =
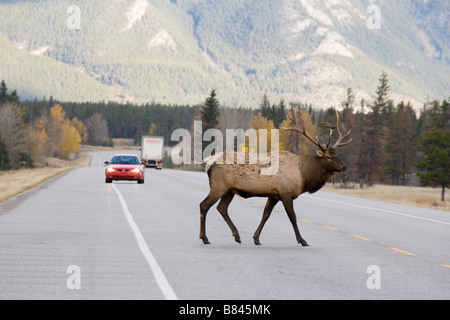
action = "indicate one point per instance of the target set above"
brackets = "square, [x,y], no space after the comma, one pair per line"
[314,173]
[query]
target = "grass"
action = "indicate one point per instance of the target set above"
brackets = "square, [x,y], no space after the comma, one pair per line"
[425,197]
[15,182]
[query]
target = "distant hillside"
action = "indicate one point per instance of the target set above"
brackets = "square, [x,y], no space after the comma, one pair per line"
[177,51]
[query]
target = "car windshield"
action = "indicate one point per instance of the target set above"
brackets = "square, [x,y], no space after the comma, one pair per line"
[124,160]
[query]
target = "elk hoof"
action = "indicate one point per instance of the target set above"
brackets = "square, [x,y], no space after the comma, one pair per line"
[303,243]
[257,242]
[205,240]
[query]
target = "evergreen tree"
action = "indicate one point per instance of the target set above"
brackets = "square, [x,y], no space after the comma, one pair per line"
[210,116]
[13,97]
[3,92]
[349,100]
[4,157]
[375,131]
[272,114]
[400,145]
[264,107]
[360,142]
[349,154]
[434,167]
[281,114]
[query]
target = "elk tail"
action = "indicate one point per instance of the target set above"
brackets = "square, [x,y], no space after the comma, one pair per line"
[211,160]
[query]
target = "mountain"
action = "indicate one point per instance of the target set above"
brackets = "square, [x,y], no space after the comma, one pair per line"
[177,51]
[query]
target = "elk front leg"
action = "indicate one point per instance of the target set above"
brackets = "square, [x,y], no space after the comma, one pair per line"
[223,209]
[289,206]
[271,203]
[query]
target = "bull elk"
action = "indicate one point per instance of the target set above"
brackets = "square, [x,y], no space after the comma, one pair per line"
[296,175]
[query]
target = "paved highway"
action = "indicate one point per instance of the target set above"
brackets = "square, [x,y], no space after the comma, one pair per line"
[76,237]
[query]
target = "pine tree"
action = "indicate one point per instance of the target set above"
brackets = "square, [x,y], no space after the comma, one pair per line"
[13,97]
[434,167]
[281,113]
[264,106]
[349,100]
[349,154]
[375,131]
[3,92]
[210,112]
[210,116]
[4,157]
[400,145]
[360,142]
[276,113]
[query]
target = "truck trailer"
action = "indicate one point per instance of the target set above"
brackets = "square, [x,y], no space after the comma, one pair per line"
[152,149]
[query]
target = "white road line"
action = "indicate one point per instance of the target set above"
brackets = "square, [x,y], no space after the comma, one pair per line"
[156,269]
[381,210]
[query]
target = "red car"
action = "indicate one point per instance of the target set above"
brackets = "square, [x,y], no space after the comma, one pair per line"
[125,167]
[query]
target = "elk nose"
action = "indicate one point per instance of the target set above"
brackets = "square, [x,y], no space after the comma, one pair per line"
[344,168]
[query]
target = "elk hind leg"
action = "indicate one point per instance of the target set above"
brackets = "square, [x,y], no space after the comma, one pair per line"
[223,209]
[205,205]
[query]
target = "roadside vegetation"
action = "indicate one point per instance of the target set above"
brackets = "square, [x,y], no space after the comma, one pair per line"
[424,197]
[14,182]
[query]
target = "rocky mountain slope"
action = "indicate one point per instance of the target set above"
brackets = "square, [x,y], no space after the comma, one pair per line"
[177,51]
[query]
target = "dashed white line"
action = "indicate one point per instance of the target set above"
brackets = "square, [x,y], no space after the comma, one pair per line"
[160,278]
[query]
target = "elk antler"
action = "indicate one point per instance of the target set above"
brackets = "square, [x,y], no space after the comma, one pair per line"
[331,129]
[301,128]
[339,142]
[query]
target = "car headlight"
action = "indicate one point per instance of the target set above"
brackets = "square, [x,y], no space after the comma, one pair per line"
[111,170]
[137,170]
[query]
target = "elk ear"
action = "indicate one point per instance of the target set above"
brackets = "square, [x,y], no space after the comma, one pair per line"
[319,153]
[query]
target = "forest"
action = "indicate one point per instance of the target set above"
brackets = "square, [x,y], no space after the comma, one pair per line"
[392,144]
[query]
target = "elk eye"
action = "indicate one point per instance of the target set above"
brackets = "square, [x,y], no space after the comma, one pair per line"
[328,158]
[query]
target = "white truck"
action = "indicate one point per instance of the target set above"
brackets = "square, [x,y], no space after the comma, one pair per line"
[152,149]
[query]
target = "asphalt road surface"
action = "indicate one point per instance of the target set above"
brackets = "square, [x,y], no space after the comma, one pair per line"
[77,237]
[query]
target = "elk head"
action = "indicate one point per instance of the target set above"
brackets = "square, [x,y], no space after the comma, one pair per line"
[325,154]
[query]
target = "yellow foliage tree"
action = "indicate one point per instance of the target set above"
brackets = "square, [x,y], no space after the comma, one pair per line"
[294,141]
[258,123]
[39,139]
[57,118]
[81,128]
[39,144]
[70,140]
[54,135]
[151,131]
